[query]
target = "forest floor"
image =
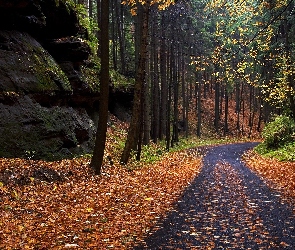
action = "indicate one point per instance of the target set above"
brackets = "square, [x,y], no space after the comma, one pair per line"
[62,205]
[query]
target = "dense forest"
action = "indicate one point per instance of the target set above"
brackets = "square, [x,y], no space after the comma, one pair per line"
[170,69]
[239,52]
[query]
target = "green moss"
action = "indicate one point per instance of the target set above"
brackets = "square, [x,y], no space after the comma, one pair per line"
[90,73]
[38,61]
[48,72]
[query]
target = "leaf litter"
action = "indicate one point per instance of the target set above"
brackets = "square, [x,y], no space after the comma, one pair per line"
[277,174]
[65,205]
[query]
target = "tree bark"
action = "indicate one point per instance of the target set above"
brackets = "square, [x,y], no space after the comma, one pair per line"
[97,158]
[99,24]
[155,77]
[216,108]
[198,103]
[163,72]
[226,111]
[134,128]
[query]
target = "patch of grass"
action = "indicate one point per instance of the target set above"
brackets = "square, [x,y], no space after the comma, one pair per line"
[283,153]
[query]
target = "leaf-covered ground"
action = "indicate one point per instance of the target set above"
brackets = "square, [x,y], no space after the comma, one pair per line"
[278,174]
[62,204]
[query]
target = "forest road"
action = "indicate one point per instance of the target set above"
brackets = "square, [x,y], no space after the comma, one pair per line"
[226,207]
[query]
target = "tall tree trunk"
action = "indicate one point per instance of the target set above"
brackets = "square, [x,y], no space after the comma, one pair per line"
[163,71]
[238,106]
[198,103]
[175,96]
[216,108]
[291,82]
[120,32]
[226,111]
[147,107]
[99,24]
[155,77]
[184,95]
[114,34]
[168,118]
[90,8]
[251,110]
[97,158]
[134,128]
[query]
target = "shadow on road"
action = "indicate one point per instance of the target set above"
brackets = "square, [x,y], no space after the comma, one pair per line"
[226,207]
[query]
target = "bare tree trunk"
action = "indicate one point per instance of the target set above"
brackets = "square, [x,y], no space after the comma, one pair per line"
[90,11]
[175,97]
[120,32]
[226,112]
[134,128]
[168,118]
[155,77]
[164,87]
[97,158]
[98,2]
[114,35]
[217,96]
[184,96]
[198,90]
[147,107]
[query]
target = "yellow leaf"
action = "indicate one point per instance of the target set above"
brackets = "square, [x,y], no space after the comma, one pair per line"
[89,209]
[15,195]
[20,228]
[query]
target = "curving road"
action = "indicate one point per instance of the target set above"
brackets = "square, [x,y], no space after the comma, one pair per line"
[226,207]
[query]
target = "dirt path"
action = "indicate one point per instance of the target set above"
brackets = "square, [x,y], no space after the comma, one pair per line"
[226,207]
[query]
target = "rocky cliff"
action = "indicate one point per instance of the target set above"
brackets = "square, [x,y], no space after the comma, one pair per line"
[46,107]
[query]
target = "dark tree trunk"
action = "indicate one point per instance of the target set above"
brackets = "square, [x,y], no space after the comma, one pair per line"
[97,158]
[184,96]
[99,24]
[90,10]
[216,108]
[147,107]
[168,118]
[114,35]
[155,78]
[134,128]
[164,87]
[120,32]
[226,111]
[198,103]
[175,97]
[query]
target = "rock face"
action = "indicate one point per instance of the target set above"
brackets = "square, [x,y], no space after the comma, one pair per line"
[44,101]
[30,130]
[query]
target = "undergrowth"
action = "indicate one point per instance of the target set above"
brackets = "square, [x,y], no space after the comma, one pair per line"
[279,139]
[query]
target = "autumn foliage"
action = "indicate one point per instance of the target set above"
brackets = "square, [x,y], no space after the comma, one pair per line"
[63,204]
[278,175]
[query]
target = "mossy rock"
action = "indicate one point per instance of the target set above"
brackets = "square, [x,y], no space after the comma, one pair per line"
[25,67]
